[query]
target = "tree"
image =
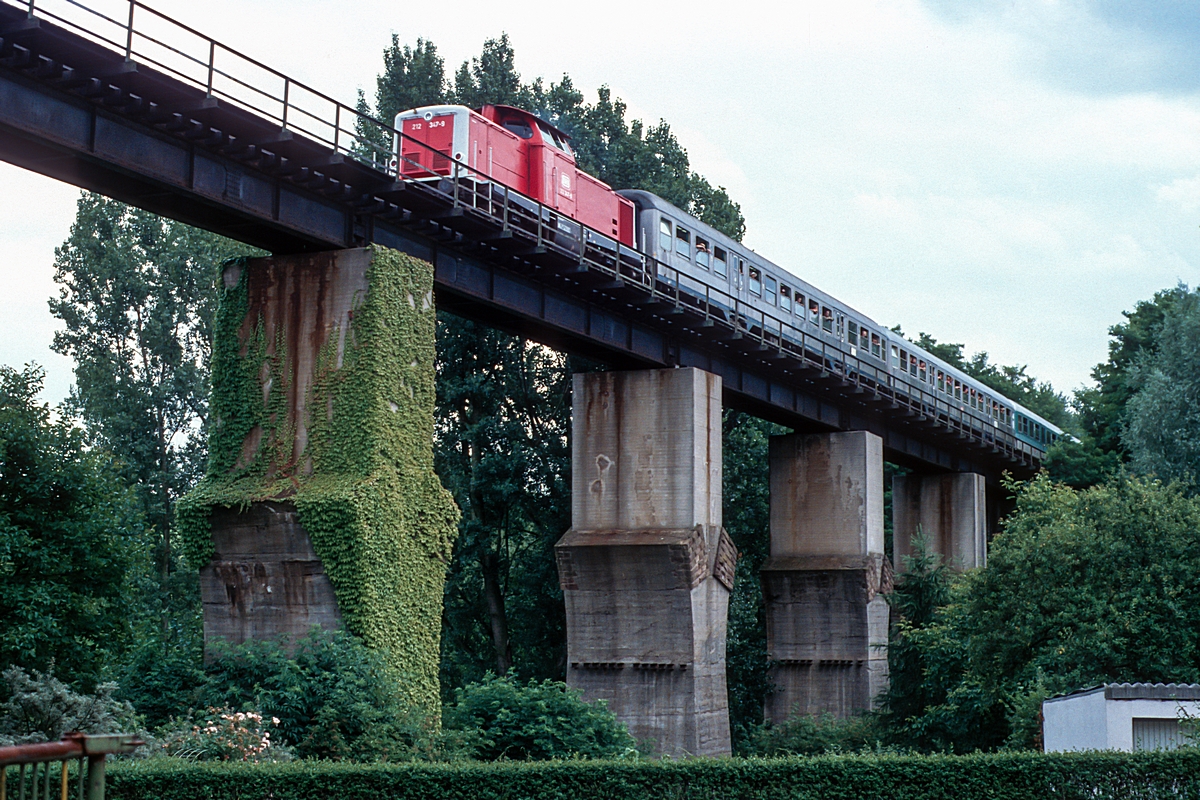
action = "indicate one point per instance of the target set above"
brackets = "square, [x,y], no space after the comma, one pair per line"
[1162,417]
[136,299]
[1081,587]
[1102,408]
[746,494]
[503,402]
[506,720]
[67,532]
[502,450]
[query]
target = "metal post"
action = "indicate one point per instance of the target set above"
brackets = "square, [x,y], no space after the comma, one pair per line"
[95,777]
[212,58]
[129,32]
[287,85]
[31,2]
[63,793]
[337,125]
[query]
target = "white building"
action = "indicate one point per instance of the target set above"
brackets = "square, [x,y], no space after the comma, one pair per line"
[1120,716]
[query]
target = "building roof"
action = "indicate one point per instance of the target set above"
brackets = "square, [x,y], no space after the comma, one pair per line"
[1140,691]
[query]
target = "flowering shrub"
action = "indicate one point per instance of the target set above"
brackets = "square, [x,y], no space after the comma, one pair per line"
[221,734]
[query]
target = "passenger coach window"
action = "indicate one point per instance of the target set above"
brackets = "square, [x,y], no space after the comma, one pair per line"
[769,285]
[683,242]
[862,338]
[719,263]
[785,298]
[755,282]
[701,252]
[875,349]
[826,319]
[895,356]
[664,236]
[814,312]
[853,330]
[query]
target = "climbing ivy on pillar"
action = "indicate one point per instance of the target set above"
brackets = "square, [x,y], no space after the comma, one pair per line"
[322,401]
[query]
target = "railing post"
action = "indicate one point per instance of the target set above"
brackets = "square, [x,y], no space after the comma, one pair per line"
[287,85]
[31,2]
[129,32]
[212,58]
[95,777]
[337,125]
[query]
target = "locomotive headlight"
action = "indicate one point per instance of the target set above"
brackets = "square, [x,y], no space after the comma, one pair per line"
[428,115]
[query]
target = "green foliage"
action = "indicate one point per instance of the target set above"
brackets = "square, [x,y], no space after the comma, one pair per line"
[331,696]
[67,530]
[1082,587]
[922,588]
[136,299]
[747,509]
[41,708]
[221,734]
[1162,418]
[161,681]
[1102,409]
[503,417]
[1008,776]
[806,735]
[379,519]
[507,720]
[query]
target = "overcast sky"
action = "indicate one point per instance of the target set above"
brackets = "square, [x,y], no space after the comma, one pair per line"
[1010,175]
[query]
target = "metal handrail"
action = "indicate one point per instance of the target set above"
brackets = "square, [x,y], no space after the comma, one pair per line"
[74,747]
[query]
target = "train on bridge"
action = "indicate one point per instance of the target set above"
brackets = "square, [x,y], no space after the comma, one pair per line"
[529,164]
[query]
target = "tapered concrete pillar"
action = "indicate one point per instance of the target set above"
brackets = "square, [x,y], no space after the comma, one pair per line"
[646,568]
[827,621]
[951,509]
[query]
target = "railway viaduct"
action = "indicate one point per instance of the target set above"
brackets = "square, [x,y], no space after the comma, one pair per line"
[146,111]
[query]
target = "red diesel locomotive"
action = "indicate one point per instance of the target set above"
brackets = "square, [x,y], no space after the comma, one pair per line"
[517,149]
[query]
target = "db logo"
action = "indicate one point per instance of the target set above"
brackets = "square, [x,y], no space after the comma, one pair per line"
[565,180]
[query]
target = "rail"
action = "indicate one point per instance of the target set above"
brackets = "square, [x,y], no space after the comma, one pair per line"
[140,34]
[73,749]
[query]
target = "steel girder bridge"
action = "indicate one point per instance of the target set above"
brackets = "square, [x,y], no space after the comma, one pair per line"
[117,98]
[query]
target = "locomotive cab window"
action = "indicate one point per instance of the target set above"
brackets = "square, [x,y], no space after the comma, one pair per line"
[520,127]
[769,285]
[755,282]
[701,252]
[785,298]
[664,236]
[683,242]
[719,258]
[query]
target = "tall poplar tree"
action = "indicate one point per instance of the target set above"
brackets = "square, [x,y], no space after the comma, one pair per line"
[136,299]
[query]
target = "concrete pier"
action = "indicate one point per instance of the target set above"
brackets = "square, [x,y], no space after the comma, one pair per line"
[827,621]
[646,568]
[951,509]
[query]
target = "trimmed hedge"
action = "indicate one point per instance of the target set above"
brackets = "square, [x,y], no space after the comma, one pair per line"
[1019,776]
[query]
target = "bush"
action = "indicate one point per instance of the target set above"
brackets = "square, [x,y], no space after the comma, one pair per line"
[334,697]
[807,735]
[41,708]
[221,734]
[1004,776]
[504,719]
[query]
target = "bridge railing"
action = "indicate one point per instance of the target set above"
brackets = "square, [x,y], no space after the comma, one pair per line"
[61,763]
[142,35]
